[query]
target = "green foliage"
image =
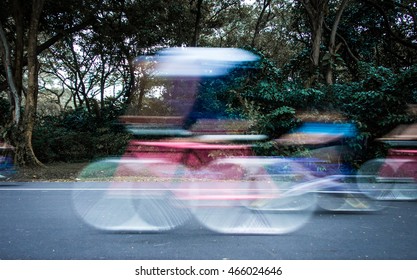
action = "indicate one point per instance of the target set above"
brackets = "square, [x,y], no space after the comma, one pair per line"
[332,60]
[213,97]
[117,31]
[272,99]
[407,82]
[377,104]
[77,136]
[277,121]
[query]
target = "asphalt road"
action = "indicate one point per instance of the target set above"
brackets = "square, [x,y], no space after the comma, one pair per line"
[38,221]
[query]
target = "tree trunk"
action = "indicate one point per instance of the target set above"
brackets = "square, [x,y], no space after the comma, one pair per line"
[332,42]
[14,69]
[316,10]
[265,5]
[19,47]
[131,83]
[316,41]
[14,97]
[24,151]
[197,25]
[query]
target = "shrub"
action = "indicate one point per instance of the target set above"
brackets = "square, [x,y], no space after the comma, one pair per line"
[76,136]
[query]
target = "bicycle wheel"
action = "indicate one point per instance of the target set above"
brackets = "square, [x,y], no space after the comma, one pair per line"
[250,202]
[343,195]
[127,195]
[99,201]
[159,202]
[376,179]
[405,187]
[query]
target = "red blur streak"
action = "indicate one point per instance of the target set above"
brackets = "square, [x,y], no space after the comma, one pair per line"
[193,155]
[404,160]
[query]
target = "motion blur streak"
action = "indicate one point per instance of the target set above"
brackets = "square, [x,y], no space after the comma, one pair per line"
[393,177]
[230,196]
[195,161]
[6,160]
[198,62]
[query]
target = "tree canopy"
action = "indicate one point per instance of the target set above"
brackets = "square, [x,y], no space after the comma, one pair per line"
[357,58]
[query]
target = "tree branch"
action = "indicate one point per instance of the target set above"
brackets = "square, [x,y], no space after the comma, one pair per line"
[387,24]
[344,43]
[60,35]
[9,75]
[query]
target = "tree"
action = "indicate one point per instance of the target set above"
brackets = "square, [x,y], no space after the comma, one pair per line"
[14,95]
[89,45]
[21,46]
[197,9]
[24,148]
[396,25]
[316,11]
[333,48]
[264,17]
[23,127]
[83,70]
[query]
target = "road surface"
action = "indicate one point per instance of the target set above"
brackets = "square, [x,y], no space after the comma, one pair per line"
[38,221]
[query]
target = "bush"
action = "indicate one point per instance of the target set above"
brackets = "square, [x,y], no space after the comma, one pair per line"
[75,136]
[376,104]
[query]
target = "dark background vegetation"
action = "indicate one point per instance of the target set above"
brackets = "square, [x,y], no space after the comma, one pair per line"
[357,59]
